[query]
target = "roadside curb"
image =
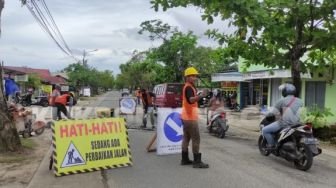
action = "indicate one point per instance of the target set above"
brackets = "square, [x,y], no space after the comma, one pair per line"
[43,177]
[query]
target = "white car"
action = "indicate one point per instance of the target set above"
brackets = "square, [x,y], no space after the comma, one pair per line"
[125,92]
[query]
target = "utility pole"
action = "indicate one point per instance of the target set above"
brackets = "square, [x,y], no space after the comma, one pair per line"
[84,61]
[2,4]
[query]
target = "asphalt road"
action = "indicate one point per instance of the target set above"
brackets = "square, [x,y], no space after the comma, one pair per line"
[234,162]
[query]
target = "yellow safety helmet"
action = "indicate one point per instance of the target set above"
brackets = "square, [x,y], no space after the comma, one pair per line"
[190,71]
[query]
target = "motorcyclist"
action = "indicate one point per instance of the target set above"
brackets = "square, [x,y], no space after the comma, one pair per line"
[216,103]
[288,107]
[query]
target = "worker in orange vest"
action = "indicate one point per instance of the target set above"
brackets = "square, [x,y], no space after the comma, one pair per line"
[61,102]
[55,93]
[189,118]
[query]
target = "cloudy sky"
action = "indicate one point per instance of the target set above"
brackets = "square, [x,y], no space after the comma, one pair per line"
[110,26]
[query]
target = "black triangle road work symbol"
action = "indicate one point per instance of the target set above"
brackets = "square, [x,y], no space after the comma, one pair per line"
[72,157]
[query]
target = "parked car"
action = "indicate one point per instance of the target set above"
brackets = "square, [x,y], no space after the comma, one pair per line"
[125,92]
[168,95]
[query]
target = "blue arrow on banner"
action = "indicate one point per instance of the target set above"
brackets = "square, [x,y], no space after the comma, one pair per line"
[173,127]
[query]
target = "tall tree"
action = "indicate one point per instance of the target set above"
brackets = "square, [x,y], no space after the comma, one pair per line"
[273,33]
[9,138]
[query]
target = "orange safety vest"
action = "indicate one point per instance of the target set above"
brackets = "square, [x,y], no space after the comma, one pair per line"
[138,93]
[189,111]
[62,99]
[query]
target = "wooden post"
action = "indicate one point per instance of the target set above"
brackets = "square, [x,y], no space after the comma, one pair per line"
[148,148]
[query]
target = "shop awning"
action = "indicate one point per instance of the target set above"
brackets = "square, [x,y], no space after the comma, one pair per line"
[266,74]
[227,76]
[241,77]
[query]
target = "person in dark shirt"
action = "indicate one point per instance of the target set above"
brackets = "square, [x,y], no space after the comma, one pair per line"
[148,100]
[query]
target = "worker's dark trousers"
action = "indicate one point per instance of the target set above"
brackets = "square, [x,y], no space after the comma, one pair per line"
[191,131]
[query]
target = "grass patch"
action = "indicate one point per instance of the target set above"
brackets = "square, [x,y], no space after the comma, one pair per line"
[11,159]
[20,156]
[28,143]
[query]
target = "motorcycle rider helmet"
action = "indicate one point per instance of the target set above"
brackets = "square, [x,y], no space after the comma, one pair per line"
[287,89]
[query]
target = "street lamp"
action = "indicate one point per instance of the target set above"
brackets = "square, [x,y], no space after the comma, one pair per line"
[85,53]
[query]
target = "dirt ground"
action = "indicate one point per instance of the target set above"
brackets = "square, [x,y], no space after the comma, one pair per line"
[17,169]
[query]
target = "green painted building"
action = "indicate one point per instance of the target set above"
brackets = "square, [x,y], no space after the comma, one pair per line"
[258,85]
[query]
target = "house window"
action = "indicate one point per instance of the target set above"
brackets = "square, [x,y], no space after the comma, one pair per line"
[315,94]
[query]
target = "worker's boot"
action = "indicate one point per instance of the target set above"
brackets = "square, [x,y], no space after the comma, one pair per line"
[198,162]
[185,159]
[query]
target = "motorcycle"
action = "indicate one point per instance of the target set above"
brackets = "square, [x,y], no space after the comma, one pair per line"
[40,100]
[24,122]
[37,128]
[295,144]
[218,124]
[232,104]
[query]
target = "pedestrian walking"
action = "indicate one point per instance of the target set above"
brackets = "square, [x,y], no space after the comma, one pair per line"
[189,118]
[148,100]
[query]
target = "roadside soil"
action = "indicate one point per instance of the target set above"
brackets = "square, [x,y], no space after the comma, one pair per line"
[17,168]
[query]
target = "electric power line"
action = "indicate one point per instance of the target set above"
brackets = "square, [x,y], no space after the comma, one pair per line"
[49,27]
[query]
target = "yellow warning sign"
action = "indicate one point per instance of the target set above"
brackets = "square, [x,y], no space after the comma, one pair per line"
[89,145]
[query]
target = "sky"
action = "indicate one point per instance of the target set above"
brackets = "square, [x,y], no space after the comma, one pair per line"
[108,26]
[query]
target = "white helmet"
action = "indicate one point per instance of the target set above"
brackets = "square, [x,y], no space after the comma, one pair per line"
[215,92]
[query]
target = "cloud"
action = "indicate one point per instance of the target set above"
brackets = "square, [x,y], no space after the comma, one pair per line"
[109,26]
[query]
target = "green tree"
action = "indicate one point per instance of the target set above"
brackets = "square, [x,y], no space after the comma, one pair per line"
[139,71]
[157,29]
[106,79]
[78,75]
[83,75]
[34,81]
[273,33]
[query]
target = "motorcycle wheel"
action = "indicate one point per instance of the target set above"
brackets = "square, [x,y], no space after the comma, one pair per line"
[25,103]
[306,161]
[262,145]
[26,134]
[39,131]
[221,133]
[45,104]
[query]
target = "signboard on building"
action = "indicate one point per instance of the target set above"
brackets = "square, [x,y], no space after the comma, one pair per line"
[169,131]
[87,92]
[46,89]
[21,78]
[229,84]
[88,145]
[64,88]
